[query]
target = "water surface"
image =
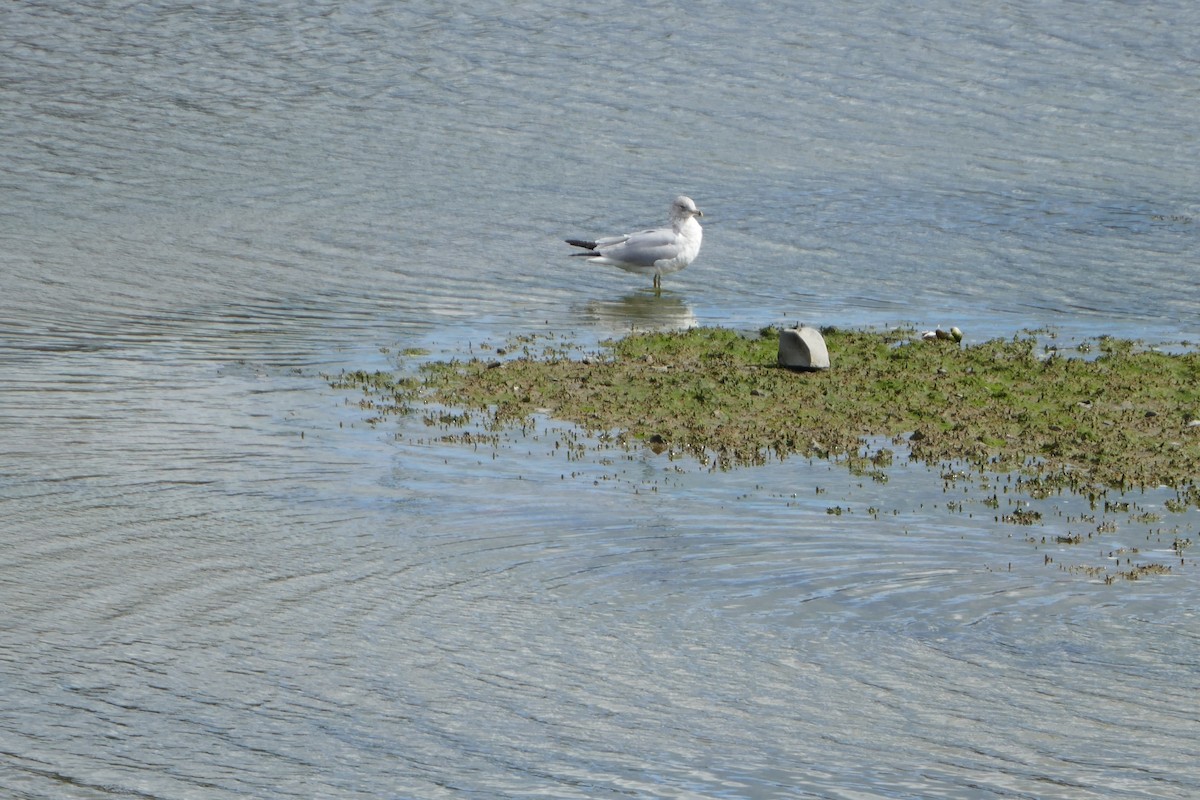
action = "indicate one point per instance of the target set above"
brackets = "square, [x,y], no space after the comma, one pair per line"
[221,582]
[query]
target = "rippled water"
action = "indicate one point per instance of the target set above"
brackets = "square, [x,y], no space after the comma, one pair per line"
[220,581]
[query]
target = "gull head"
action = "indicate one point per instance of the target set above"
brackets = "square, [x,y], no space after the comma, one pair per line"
[683,208]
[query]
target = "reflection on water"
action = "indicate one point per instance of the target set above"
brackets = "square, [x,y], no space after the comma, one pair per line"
[641,310]
[222,581]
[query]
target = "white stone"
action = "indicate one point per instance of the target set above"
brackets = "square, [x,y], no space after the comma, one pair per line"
[803,348]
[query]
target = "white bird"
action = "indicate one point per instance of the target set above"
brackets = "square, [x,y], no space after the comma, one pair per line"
[658,251]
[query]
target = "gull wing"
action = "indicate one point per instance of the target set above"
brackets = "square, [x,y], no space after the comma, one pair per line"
[642,248]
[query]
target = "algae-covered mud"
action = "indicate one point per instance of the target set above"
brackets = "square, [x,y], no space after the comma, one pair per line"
[1100,420]
[1111,414]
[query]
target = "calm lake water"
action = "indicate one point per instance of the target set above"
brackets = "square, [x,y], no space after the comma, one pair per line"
[219,581]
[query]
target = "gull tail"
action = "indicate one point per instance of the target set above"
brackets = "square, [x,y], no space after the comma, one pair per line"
[581,243]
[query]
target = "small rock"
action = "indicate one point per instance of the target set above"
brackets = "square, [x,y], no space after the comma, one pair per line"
[803,348]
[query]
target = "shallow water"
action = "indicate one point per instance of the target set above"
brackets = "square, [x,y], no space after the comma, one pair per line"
[222,582]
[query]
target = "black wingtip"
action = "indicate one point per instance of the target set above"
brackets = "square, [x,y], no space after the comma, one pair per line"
[581,243]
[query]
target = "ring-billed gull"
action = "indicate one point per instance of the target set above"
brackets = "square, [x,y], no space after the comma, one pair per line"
[658,251]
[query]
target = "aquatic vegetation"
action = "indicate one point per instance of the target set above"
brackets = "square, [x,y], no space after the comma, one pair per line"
[380,392]
[1122,419]
[1117,420]
[1113,416]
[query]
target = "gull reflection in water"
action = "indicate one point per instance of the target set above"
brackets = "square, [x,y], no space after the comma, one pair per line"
[642,310]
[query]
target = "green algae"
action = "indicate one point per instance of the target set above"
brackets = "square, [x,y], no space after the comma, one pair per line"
[1015,417]
[1115,414]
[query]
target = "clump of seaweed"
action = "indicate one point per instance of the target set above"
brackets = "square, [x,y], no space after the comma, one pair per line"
[1116,416]
[1121,418]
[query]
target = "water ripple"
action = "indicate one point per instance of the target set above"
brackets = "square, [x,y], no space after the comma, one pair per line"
[222,581]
